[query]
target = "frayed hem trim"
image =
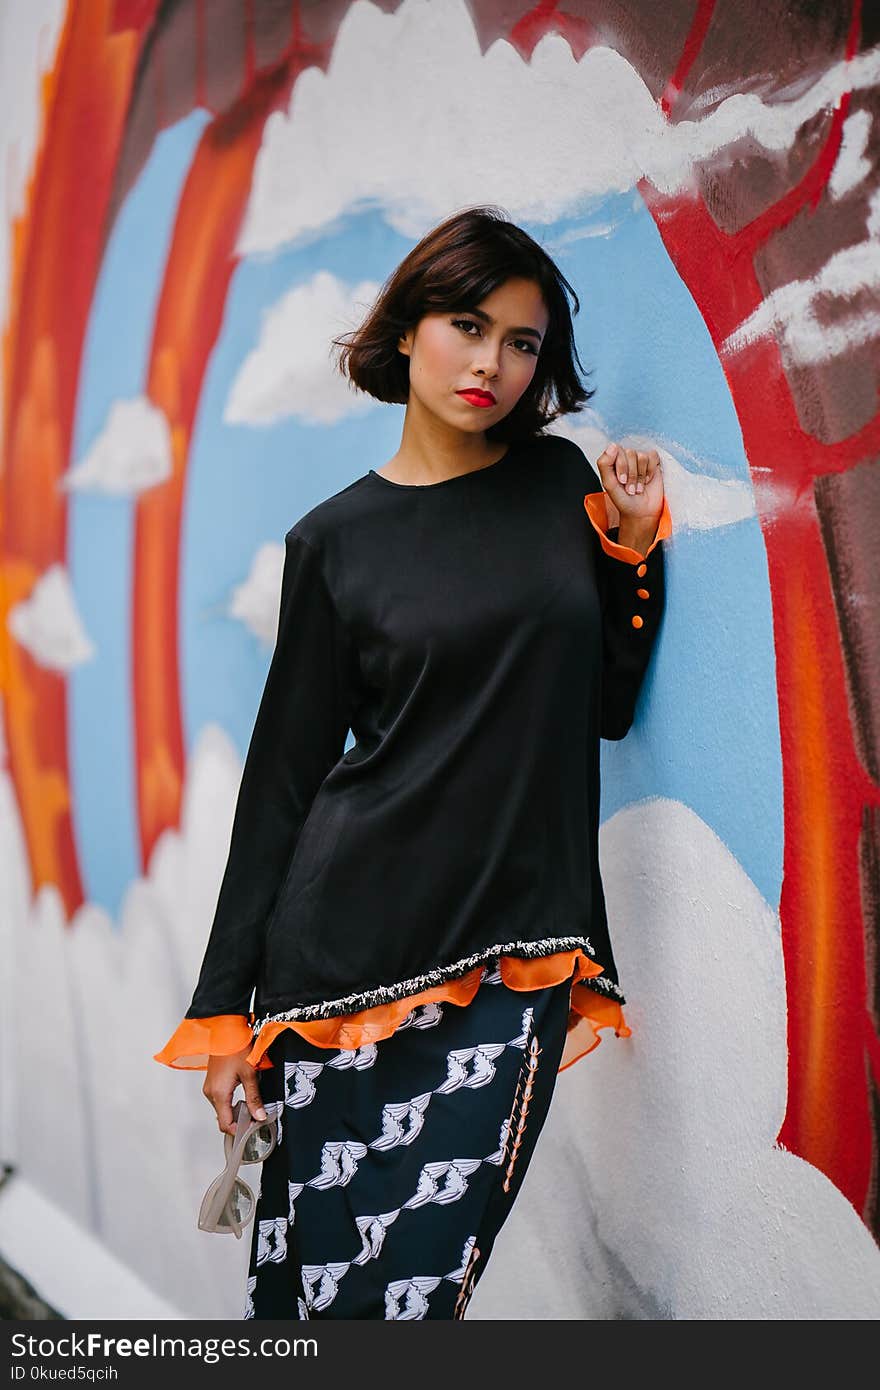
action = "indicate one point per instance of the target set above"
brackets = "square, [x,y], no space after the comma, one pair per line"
[385,994]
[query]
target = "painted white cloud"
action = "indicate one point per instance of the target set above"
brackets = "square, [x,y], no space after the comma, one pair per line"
[132,452]
[256,601]
[292,369]
[851,167]
[697,501]
[48,625]
[429,123]
[797,314]
[771,125]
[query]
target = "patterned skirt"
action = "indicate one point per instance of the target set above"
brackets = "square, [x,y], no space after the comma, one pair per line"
[398,1162]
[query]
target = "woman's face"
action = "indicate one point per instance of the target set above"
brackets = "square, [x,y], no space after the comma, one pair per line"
[492,349]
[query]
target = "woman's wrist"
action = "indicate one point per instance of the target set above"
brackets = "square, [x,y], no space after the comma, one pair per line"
[637,535]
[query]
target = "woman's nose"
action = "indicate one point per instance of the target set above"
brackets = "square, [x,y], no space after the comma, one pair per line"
[487,362]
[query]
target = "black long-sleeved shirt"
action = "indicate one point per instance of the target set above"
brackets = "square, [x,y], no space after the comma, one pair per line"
[477,637]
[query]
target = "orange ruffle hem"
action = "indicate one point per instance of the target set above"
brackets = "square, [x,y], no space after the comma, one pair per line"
[197,1039]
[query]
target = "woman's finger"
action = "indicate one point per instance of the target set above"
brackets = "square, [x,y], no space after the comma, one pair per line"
[632,470]
[223,1107]
[611,464]
[618,457]
[642,480]
[252,1095]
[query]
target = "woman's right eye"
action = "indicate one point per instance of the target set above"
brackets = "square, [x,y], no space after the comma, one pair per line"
[464,323]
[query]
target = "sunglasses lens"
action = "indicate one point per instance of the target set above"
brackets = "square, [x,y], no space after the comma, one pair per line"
[239,1206]
[258,1145]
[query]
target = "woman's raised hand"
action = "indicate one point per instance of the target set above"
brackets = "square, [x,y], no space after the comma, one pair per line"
[633,482]
[221,1079]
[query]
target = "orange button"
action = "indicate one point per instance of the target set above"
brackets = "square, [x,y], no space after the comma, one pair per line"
[637,621]
[643,593]
[642,569]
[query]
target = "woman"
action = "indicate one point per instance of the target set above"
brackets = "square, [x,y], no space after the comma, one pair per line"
[422,917]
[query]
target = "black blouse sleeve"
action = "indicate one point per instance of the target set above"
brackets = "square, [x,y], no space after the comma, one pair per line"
[632,596]
[299,734]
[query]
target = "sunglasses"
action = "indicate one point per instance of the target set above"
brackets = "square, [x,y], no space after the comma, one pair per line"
[229,1204]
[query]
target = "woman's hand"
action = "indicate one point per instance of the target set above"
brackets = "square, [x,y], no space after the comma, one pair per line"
[221,1079]
[633,484]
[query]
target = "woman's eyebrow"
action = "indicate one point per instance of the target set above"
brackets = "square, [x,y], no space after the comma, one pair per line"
[487,318]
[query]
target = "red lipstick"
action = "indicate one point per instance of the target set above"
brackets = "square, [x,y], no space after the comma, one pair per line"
[476,397]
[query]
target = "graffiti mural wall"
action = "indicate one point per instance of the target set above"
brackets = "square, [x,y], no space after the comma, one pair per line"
[198,196]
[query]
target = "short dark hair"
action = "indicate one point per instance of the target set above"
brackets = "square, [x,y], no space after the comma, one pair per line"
[455,266]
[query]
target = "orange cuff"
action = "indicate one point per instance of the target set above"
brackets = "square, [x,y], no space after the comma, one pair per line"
[197,1039]
[597,511]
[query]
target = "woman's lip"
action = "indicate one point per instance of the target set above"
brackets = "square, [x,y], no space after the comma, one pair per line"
[477,397]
